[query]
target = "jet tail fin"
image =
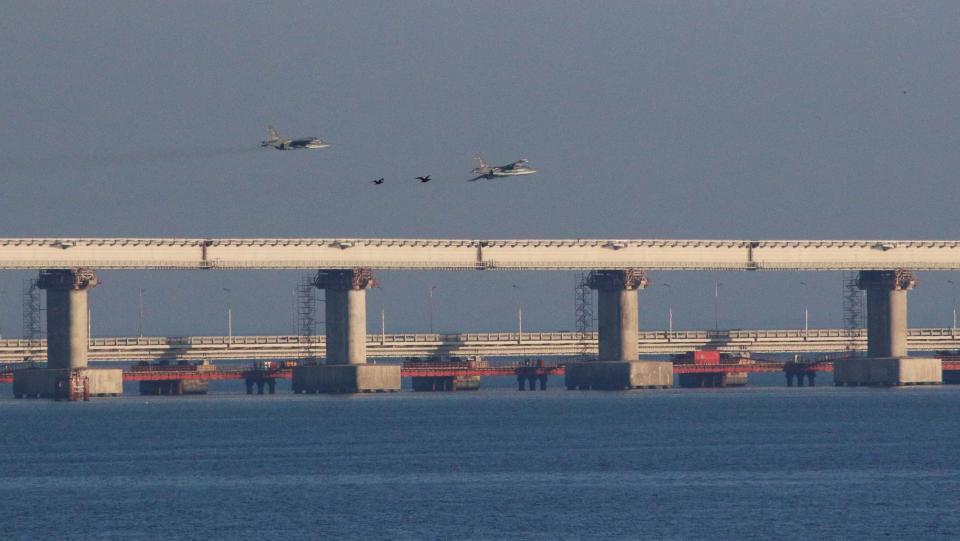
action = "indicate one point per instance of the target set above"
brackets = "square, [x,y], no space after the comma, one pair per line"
[272,134]
[479,161]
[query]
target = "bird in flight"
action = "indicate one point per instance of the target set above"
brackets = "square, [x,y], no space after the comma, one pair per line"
[424,179]
[378,181]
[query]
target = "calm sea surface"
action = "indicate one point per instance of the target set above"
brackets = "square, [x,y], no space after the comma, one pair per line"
[753,463]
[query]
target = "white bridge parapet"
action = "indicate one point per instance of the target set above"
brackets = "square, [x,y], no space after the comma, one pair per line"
[459,254]
[492,344]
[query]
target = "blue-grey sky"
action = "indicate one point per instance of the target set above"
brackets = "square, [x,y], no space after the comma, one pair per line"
[749,120]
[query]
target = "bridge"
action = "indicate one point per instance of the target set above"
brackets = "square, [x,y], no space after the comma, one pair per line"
[490,344]
[460,254]
[345,269]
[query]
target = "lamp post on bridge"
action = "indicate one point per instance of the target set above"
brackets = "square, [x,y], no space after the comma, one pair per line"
[229,317]
[669,310]
[383,316]
[140,315]
[806,312]
[953,303]
[516,288]
[294,312]
[716,306]
[431,308]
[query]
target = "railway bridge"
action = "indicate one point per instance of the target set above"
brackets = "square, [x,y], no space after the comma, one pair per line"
[618,268]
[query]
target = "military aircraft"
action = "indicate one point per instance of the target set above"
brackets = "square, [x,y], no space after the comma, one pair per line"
[274,140]
[424,179]
[514,169]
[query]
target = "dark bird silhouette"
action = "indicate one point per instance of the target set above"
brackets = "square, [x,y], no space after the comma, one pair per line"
[424,179]
[378,181]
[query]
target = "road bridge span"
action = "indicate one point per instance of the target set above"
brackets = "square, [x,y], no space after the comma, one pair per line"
[461,254]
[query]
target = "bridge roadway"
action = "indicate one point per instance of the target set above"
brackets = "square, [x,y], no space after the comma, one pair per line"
[459,254]
[538,344]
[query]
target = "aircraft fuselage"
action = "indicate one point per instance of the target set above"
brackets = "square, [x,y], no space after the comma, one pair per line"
[512,172]
[297,143]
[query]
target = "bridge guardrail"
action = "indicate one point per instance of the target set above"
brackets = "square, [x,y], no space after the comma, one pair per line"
[490,344]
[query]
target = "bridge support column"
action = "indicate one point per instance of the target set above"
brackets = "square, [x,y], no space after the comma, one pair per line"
[886,311]
[886,363]
[346,369]
[67,339]
[346,313]
[67,316]
[618,365]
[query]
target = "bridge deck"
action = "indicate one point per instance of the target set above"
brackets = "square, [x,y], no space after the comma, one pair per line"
[464,254]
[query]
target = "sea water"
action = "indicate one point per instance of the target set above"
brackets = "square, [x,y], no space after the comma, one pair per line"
[765,462]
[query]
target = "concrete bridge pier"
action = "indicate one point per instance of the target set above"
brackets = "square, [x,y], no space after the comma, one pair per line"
[67,340]
[886,363]
[618,366]
[67,315]
[346,369]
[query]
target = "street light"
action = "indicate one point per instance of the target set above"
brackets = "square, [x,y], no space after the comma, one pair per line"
[519,314]
[953,302]
[294,313]
[806,312]
[383,316]
[383,325]
[716,303]
[229,316]
[431,308]
[669,308]
[140,318]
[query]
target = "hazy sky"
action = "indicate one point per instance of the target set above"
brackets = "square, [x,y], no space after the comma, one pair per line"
[747,120]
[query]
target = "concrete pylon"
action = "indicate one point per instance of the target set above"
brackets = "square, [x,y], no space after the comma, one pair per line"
[618,366]
[886,311]
[886,362]
[346,313]
[618,312]
[67,316]
[346,369]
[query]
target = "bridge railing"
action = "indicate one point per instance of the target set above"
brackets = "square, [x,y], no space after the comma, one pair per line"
[547,343]
[453,338]
[477,337]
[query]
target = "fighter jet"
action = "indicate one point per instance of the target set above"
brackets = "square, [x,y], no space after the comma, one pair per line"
[274,140]
[514,169]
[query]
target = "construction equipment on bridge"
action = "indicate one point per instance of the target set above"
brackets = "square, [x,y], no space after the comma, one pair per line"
[307,300]
[583,312]
[32,316]
[852,312]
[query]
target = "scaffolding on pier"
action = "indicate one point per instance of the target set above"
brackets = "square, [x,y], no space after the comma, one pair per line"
[583,312]
[308,297]
[32,316]
[852,311]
